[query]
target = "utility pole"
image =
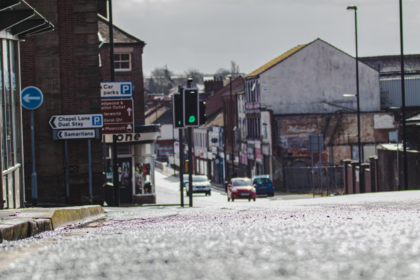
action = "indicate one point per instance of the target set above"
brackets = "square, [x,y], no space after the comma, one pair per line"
[190,188]
[404,134]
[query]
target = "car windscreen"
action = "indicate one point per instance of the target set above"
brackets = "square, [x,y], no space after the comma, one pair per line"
[260,181]
[200,179]
[242,182]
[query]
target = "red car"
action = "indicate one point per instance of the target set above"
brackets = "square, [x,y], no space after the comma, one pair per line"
[241,188]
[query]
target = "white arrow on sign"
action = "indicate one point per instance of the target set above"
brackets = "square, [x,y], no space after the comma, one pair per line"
[28,98]
[129,111]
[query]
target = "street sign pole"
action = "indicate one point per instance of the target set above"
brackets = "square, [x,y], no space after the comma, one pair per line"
[90,171]
[66,151]
[31,98]
[181,167]
[33,176]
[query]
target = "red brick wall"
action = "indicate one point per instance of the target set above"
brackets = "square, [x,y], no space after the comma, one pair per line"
[135,75]
[214,103]
[64,65]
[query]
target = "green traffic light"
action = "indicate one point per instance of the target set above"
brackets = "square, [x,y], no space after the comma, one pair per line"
[179,122]
[191,119]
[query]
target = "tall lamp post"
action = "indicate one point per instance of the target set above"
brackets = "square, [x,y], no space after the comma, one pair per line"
[354,8]
[232,123]
[404,135]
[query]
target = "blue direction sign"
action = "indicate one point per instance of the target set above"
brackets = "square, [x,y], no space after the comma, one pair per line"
[31,98]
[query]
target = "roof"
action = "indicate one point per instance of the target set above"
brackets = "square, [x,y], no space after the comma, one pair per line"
[214,120]
[277,60]
[120,36]
[233,93]
[391,64]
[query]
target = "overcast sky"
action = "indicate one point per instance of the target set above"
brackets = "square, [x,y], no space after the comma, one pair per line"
[208,34]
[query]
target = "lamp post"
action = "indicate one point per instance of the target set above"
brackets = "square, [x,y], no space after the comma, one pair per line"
[231,122]
[354,8]
[404,135]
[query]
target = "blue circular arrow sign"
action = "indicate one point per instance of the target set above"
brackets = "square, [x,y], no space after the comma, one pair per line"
[31,98]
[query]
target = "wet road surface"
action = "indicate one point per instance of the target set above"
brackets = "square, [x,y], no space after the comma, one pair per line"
[370,236]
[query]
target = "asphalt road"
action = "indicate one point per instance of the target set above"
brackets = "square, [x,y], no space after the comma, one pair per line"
[167,192]
[369,236]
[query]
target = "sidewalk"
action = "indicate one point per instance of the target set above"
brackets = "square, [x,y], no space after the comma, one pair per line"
[22,223]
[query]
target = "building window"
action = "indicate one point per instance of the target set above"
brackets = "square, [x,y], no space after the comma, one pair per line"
[265,131]
[122,62]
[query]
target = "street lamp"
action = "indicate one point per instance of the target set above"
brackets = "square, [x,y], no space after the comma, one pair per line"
[231,121]
[354,8]
[404,135]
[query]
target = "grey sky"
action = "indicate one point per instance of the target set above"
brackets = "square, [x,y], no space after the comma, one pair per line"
[208,34]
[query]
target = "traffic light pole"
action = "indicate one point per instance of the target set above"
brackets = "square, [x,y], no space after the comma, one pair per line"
[190,189]
[181,167]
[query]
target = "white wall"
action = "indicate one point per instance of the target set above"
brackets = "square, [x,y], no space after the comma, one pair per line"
[317,73]
[166,132]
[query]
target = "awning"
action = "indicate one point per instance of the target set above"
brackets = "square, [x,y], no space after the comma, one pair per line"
[20,19]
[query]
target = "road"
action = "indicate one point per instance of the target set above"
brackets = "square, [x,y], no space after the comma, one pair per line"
[167,192]
[367,236]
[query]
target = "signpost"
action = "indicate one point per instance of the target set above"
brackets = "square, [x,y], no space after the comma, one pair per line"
[116,89]
[72,134]
[118,116]
[31,99]
[70,127]
[76,121]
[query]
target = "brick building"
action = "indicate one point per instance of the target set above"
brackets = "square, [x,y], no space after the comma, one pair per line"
[68,66]
[18,20]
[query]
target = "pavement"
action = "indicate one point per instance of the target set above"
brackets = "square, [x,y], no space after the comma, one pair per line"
[22,223]
[364,236]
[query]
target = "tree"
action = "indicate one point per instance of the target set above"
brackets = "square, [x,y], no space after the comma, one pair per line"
[234,71]
[195,74]
[161,80]
[222,72]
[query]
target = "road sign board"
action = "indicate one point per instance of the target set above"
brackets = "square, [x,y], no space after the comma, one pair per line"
[116,89]
[72,134]
[76,121]
[31,98]
[118,116]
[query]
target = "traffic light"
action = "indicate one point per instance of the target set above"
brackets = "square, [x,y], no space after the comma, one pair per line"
[191,109]
[178,110]
[203,117]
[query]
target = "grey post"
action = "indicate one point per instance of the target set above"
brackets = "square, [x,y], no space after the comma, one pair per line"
[90,171]
[181,167]
[66,154]
[33,176]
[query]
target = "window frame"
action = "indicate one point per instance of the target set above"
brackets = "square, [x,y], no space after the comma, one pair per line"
[129,62]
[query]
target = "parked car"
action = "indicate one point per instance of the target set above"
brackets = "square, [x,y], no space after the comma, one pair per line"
[241,188]
[200,184]
[263,185]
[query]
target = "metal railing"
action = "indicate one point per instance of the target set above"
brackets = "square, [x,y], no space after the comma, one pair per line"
[323,180]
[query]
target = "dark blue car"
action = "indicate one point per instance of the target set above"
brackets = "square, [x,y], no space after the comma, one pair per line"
[263,185]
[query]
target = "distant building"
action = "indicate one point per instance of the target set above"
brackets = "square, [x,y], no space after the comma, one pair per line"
[300,93]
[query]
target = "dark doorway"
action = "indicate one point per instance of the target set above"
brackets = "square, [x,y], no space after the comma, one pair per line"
[125,182]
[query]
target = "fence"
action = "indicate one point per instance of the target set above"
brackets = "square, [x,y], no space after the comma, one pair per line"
[319,180]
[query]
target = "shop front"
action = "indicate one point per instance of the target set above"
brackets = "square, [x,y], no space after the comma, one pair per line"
[133,156]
